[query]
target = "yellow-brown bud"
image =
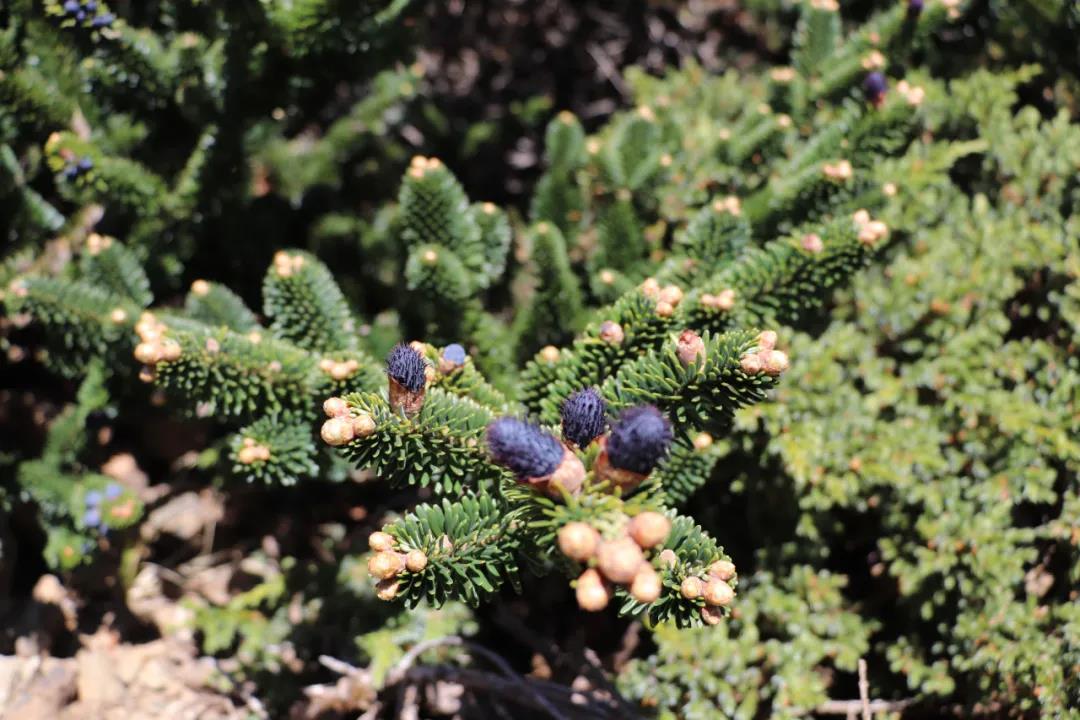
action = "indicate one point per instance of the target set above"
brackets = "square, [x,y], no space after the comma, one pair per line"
[148,353]
[387,589]
[719,593]
[337,431]
[723,569]
[692,588]
[592,593]
[611,332]
[649,529]
[775,362]
[335,407]
[646,585]
[712,615]
[416,561]
[619,560]
[380,541]
[578,541]
[690,348]
[385,564]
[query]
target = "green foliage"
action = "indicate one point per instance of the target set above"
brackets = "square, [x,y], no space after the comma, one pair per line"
[907,494]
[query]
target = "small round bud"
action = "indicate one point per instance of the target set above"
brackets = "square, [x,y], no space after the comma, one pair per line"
[335,407]
[592,593]
[690,348]
[811,243]
[200,288]
[387,589]
[775,362]
[619,560]
[725,300]
[212,346]
[148,353]
[766,339]
[717,592]
[118,316]
[253,453]
[549,354]
[385,564]
[578,541]
[416,561]
[649,529]
[723,569]
[873,60]
[170,351]
[380,541]
[607,277]
[430,257]
[646,585]
[363,425]
[703,441]
[751,364]
[889,189]
[147,374]
[665,309]
[611,332]
[712,615]
[671,294]
[782,74]
[650,288]
[668,558]
[692,588]
[341,371]
[861,217]
[337,431]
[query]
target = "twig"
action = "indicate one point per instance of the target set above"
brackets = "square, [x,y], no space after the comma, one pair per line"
[864,689]
[852,708]
[398,672]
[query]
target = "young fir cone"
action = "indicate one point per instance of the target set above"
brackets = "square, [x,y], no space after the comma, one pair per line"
[534,456]
[584,417]
[619,560]
[638,441]
[407,373]
[578,541]
[592,592]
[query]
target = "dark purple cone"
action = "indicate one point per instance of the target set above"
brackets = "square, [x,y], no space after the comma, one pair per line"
[875,85]
[525,449]
[914,8]
[639,440]
[584,417]
[406,367]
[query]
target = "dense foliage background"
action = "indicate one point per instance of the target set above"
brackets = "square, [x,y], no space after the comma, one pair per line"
[906,493]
